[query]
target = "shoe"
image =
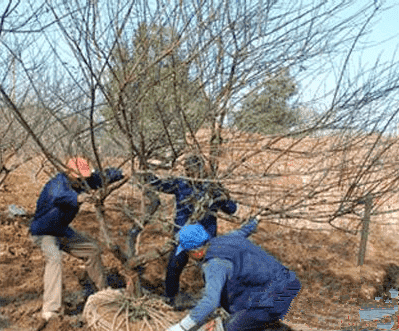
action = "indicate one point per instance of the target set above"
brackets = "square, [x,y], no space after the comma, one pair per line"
[42,325]
[115,280]
[47,317]
[89,288]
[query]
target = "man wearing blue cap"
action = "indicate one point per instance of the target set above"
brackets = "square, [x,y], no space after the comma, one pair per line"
[250,284]
[188,191]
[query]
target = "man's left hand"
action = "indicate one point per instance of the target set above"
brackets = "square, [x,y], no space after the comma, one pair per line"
[185,324]
[175,327]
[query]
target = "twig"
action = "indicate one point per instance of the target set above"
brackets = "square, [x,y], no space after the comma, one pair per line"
[116,316]
[142,326]
[148,323]
[156,319]
[137,246]
[127,318]
[157,316]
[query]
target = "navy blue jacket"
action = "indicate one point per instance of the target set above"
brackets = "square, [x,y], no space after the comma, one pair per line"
[216,272]
[186,194]
[58,205]
[256,278]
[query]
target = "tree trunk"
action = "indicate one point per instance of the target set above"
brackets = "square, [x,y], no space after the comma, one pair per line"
[103,225]
[365,229]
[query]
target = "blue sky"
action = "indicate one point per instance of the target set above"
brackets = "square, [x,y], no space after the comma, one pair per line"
[384,37]
[382,41]
[386,31]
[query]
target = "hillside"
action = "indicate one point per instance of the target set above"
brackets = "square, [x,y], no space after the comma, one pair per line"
[333,289]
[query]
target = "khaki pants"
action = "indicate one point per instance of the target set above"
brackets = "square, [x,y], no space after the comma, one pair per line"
[78,246]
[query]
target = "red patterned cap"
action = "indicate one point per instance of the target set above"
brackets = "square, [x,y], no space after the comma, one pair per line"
[79,167]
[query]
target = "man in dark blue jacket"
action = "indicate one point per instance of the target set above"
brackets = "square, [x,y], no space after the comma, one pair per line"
[197,200]
[56,207]
[250,284]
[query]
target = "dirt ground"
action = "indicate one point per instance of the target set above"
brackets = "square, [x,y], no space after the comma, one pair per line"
[333,286]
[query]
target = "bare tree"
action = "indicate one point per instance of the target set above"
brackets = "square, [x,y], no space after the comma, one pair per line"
[66,54]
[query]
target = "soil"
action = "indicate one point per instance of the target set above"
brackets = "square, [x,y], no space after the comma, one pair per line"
[333,286]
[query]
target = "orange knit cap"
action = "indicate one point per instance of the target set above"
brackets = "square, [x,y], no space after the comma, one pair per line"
[79,167]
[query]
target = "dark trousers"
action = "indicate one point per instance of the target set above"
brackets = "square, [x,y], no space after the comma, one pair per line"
[255,319]
[175,268]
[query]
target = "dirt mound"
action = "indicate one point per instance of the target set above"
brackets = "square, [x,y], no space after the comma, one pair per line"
[111,309]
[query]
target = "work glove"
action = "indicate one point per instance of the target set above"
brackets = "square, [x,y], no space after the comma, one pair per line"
[254,219]
[113,174]
[185,324]
[175,327]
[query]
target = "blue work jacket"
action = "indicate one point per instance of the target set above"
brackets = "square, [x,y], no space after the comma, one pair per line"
[186,194]
[257,276]
[57,205]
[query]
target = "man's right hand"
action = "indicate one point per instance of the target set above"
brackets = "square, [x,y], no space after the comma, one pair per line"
[144,177]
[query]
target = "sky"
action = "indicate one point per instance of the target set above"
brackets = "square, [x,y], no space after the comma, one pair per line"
[385,31]
[382,41]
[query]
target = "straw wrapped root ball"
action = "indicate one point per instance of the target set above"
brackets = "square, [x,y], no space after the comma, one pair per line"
[112,310]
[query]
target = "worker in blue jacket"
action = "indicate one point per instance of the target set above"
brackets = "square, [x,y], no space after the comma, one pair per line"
[250,284]
[56,207]
[188,192]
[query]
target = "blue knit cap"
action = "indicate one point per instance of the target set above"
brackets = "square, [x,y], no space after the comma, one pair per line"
[191,237]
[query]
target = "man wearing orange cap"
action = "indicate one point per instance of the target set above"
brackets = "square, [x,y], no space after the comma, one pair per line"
[56,208]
